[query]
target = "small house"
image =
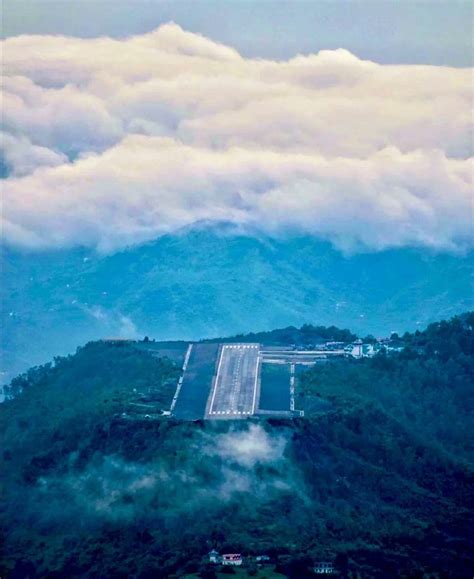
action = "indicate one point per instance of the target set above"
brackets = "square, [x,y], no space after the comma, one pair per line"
[231,559]
[324,568]
[214,557]
[368,350]
[356,351]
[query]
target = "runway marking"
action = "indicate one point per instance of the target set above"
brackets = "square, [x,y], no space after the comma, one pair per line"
[180,381]
[255,386]
[292,387]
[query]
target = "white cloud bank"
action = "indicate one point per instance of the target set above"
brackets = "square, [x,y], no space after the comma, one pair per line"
[114,142]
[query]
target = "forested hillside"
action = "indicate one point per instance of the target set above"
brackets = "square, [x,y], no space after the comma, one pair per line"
[377,477]
[427,387]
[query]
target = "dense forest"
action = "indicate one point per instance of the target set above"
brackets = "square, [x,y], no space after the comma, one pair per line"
[427,387]
[378,477]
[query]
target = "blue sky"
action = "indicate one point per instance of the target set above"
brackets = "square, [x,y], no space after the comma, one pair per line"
[402,31]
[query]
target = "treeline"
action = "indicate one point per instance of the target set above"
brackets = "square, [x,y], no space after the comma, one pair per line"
[304,336]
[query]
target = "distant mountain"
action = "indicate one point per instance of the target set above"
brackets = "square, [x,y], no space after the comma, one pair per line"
[209,283]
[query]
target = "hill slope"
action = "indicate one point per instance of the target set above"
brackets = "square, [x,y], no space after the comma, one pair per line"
[379,478]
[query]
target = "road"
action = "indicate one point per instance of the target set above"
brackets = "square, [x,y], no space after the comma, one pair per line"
[235,390]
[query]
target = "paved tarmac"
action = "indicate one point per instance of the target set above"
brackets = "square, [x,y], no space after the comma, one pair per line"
[193,389]
[235,390]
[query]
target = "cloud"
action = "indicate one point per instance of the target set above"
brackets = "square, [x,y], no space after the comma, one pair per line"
[21,157]
[248,447]
[120,141]
[111,321]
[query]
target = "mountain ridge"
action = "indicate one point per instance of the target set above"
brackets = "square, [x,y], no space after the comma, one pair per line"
[206,283]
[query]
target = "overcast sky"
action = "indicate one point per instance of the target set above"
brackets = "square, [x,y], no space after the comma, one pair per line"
[111,142]
[401,31]
[317,118]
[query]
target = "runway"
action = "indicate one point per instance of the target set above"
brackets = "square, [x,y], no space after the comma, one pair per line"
[236,386]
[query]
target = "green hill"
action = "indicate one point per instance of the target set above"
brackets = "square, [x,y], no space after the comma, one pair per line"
[377,477]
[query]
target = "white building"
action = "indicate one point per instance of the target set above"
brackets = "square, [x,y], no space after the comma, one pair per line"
[360,350]
[356,351]
[324,568]
[231,559]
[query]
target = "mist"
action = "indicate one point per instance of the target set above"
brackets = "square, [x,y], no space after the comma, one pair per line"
[246,462]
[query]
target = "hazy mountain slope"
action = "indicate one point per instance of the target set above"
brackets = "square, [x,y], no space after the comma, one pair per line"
[204,284]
